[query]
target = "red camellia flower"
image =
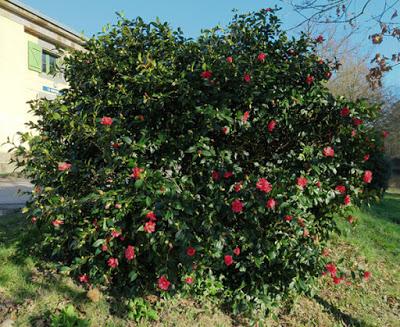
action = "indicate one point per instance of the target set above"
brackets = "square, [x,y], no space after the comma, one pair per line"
[236,250]
[107,121]
[229,60]
[309,79]
[151,215]
[246,116]
[353,133]
[115,145]
[347,200]
[331,268]
[367,275]
[206,74]
[189,280]
[271,125]
[385,134]
[136,172]
[225,130]
[319,39]
[215,175]
[228,260]
[367,178]
[345,112]
[328,152]
[33,220]
[64,166]
[228,174]
[302,182]
[271,203]
[238,186]
[366,157]
[163,283]
[287,218]
[261,57]
[57,222]
[113,262]
[115,233]
[84,278]
[357,121]
[104,247]
[318,184]
[337,280]
[341,189]
[300,221]
[247,78]
[237,206]
[190,251]
[150,227]
[263,185]
[130,253]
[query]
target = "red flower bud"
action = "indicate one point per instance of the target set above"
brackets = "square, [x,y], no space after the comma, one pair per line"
[190,251]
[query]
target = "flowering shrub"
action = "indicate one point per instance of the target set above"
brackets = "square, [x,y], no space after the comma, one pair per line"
[212,165]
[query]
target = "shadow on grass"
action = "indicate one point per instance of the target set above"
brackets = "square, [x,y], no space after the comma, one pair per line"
[340,316]
[35,274]
[388,209]
[17,238]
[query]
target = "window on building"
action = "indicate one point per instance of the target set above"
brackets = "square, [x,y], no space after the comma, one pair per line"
[40,60]
[49,63]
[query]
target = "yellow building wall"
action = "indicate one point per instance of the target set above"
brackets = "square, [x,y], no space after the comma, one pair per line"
[18,84]
[13,111]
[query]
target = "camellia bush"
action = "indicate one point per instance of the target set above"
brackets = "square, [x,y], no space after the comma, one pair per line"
[210,166]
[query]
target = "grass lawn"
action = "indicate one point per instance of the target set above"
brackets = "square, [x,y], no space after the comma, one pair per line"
[35,295]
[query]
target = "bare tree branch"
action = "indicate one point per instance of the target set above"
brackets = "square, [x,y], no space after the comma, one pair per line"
[336,12]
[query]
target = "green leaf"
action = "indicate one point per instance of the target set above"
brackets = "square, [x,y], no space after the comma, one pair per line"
[133,275]
[152,314]
[99,242]
[126,139]
[139,183]
[148,201]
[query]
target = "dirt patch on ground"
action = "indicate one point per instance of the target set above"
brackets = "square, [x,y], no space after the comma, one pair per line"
[7,308]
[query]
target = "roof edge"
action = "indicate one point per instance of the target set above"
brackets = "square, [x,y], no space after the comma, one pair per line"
[38,14]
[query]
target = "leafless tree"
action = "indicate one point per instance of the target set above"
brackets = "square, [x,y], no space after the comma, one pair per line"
[379,25]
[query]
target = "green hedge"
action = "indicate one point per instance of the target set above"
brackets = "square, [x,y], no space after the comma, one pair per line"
[207,166]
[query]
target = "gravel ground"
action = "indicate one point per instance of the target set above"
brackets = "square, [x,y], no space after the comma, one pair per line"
[11,196]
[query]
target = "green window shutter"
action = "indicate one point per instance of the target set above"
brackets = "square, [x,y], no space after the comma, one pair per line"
[34,57]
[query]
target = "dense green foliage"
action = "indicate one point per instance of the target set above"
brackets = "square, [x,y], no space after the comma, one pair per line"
[206,166]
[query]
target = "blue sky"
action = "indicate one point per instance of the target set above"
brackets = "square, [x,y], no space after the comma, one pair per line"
[89,16]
